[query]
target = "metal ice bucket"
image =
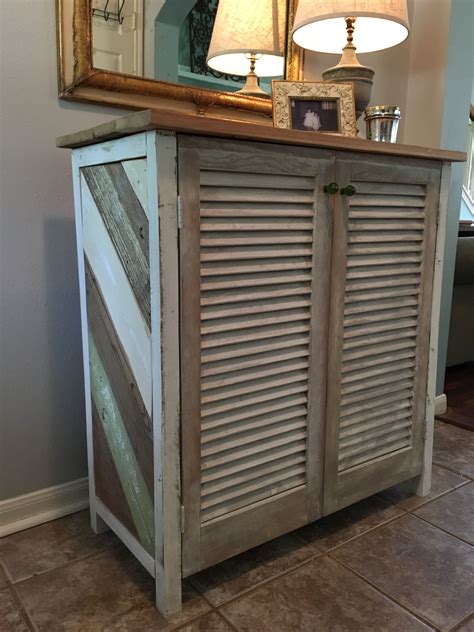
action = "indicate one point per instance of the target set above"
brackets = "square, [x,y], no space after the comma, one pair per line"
[382,123]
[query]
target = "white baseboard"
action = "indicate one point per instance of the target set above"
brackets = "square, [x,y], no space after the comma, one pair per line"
[29,510]
[441,404]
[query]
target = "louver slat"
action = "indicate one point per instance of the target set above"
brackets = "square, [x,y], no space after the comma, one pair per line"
[385,239]
[256,254]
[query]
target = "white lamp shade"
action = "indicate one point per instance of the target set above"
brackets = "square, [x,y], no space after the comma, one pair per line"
[249,26]
[319,24]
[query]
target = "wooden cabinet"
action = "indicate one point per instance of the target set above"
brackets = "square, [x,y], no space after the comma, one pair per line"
[258,352]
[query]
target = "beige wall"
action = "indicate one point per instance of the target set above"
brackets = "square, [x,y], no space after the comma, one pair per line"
[410,75]
[426,72]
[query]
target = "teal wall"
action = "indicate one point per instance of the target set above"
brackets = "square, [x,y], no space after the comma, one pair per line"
[465,212]
[167,30]
[457,96]
[172,51]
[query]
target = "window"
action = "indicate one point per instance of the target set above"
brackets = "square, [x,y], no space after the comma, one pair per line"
[469,174]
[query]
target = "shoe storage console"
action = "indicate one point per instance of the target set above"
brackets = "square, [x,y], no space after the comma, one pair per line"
[259,316]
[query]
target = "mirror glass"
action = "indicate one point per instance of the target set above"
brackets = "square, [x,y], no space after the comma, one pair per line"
[167,40]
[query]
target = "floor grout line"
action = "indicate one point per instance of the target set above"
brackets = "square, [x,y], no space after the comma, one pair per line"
[183,624]
[23,609]
[319,554]
[457,537]
[228,621]
[370,530]
[445,467]
[440,495]
[268,580]
[456,626]
[213,610]
[70,562]
[450,469]
[6,572]
[404,607]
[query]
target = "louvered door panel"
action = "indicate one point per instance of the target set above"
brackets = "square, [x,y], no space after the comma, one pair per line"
[249,452]
[382,279]
[253,243]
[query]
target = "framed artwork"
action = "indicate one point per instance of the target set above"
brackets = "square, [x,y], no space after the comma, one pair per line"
[314,106]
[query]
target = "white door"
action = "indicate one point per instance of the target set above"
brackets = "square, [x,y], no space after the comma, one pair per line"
[119,47]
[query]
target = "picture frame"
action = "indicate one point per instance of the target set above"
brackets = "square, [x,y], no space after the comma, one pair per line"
[315,106]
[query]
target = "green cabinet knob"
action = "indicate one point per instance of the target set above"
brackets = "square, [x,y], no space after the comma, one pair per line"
[331,188]
[349,190]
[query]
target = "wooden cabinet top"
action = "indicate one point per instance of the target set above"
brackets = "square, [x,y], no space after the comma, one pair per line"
[225,128]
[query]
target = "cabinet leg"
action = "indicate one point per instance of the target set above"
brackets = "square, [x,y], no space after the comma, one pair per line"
[97,524]
[421,485]
[168,593]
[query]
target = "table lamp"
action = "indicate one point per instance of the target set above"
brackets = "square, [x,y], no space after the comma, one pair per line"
[368,25]
[248,39]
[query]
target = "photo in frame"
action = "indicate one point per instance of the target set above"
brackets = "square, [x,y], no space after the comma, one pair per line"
[314,106]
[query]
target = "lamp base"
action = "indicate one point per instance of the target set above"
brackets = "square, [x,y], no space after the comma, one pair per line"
[252,88]
[350,70]
[361,78]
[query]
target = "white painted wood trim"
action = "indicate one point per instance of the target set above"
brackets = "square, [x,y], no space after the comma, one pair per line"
[164,283]
[96,523]
[424,483]
[441,404]
[116,150]
[30,510]
[126,537]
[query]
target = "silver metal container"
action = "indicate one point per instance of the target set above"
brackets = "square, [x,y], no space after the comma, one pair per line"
[382,123]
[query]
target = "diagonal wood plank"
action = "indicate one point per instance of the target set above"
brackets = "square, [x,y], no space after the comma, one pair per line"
[136,171]
[122,306]
[123,383]
[129,472]
[108,487]
[127,225]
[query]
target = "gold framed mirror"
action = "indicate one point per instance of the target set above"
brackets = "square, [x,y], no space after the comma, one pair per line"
[80,79]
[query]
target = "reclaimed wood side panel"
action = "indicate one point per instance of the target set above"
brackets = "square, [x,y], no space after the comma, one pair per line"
[117,271]
[129,401]
[126,224]
[107,482]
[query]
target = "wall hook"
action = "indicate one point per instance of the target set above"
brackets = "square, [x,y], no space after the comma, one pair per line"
[110,15]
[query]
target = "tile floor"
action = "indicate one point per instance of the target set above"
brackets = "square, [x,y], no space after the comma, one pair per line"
[393,562]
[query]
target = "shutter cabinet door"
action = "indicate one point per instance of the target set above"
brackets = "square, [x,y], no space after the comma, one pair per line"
[254,300]
[382,276]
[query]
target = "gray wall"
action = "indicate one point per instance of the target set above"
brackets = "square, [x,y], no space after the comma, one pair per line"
[42,430]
